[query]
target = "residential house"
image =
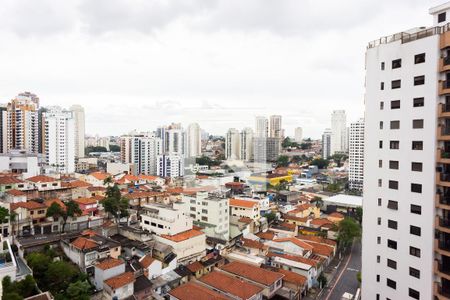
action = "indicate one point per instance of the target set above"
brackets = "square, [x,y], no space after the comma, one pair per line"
[245,208]
[165,219]
[30,218]
[152,266]
[88,206]
[119,287]
[193,290]
[106,269]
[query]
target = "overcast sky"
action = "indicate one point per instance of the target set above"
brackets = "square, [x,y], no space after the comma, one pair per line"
[137,64]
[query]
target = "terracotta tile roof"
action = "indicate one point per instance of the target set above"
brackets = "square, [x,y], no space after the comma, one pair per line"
[84,243]
[253,244]
[98,197]
[76,184]
[292,277]
[146,261]
[268,235]
[288,226]
[9,180]
[295,241]
[336,215]
[195,266]
[294,218]
[30,205]
[303,207]
[15,193]
[234,184]
[320,222]
[231,285]
[49,202]
[96,189]
[42,178]
[88,233]
[322,250]
[86,201]
[109,263]
[100,175]
[120,280]
[182,236]
[245,220]
[243,203]
[295,258]
[146,194]
[252,273]
[195,291]
[316,239]
[147,177]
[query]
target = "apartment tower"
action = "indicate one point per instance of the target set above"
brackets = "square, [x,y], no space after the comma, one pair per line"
[246,144]
[406,226]
[261,127]
[194,140]
[326,143]
[298,134]
[356,155]
[338,132]
[78,114]
[276,130]
[232,145]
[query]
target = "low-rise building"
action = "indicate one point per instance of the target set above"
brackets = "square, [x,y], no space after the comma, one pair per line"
[165,219]
[245,208]
[106,269]
[119,287]
[193,290]
[231,286]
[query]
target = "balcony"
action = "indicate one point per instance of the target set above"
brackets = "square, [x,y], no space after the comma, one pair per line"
[442,156]
[443,201]
[443,133]
[441,270]
[444,64]
[443,179]
[441,247]
[444,110]
[444,87]
[442,224]
[440,292]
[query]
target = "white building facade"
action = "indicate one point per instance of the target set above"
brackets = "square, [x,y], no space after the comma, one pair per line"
[194,140]
[338,132]
[356,155]
[246,144]
[276,129]
[170,166]
[78,115]
[298,134]
[261,127]
[326,143]
[232,145]
[142,150]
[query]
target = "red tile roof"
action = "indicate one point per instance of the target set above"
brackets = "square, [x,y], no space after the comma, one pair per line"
[243,203]
[15,193]
[9,180]
[316,239]
[86,201]
[182,236]
[100,175]
[42,178]
[195,266]
[49,202]
[146,261]
[147,177]
[96,189]
[268,235]
[245,220]
[247,243]
[252,273]
[120,280]
[295,258]
[30,205]
[109,263]
[84,243]
[231,285]
[320,222]
[295,241]
[292,277]
[76,184]
[195,291]
[336,215]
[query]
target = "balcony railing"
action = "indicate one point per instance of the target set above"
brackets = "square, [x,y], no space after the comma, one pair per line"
[444,245]
[444,222]
[446,61]
[445,200]
[444,291]
[446,84]
[445,130]
[445,108]
[445,177]
[442,268]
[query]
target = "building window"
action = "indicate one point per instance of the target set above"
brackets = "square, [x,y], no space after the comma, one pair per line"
[381,105]
[380,183]
[414,251]
[414,230]
[378,278]
[382,65]
[382,85]
[391,283]
[419,58]
[397,63]
[379,221]
[204,211]
[381,124]
[192,208]
[419,80]
[392,244]
[396,84]
[395,145]
[392,205]
[379,201]
[417,145]
[441,17]
[378,259]
[378,240]
[416,188]
[392,264]
[393,184]
[416,209]
[392,224]
[393,164]
[418,102]
[416,166]
[380,144]
[395,124]
[418,123]
[395,104]
[204,218]
[414,294]
[414,272]
[378,297]
[380,163]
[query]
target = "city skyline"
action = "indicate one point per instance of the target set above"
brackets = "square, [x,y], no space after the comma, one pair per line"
[242,67]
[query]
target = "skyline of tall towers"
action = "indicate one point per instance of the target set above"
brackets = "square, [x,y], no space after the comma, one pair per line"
[261,127]
[339,139]
[275,125]
[80,129]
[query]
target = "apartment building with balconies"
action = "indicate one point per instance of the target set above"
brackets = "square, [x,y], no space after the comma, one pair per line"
[165,219]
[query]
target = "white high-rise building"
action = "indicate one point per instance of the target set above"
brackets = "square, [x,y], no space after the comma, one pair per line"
[406,225]
[338,132]
[170,165]
[232,145]
[59,140]
[142,150]
[194,140]
[326,143]
[246,144]
[78,114]
[298,135]
[261,127]
[276,130]
[356,155]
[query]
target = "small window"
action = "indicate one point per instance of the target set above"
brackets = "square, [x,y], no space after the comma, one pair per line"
[381,124]
[441,17]
[392,244]
[380,163]
[395,104]
[381,105]
[392,224]
[397,63]
[382,85]
[419,80]
[378,277]
[417,145]
[395,124]
[418,123]
[396,84]
[204,218]
[380,183]
[393,184]
[392,264]
[391,283]
[378,297]
[414,251]
[416,188]
[394,145]
[393,164]
[379,221]
[418,102]
[379,201]
[414,272]
[378,240]
[392,205]
[380,144]
[416,209]
[416,166]
[382,65]
[414,230]
[419,58]
[414,294]
[378,259]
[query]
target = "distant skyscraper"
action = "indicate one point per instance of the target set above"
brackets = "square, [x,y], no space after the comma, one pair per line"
[59,140]
[266,149]
[3,129]
[232,147]
[276,130]
[261,127]
[142,150]
[194,140]
[356,155]
[23,123]
[78,114]
[170,165]
[173,138]
[338,132]
[246,144]
[326,143]
[298,134]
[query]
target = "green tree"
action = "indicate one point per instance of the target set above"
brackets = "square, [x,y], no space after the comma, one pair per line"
[39,263]
[59,275]
[305,146]
[90,149]
[323,281]
[320,163]
[359,214]
[78,290]
[358,277]
[114,203]
[270,217]
[283,161]
[348,229]
[114,148]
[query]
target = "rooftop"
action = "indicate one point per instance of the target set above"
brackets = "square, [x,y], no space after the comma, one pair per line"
[182,236]
[109,263]
[252,273]
[41,178]
[195,291]
[83,243]
[231,285]
[120,280]
[243,203]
